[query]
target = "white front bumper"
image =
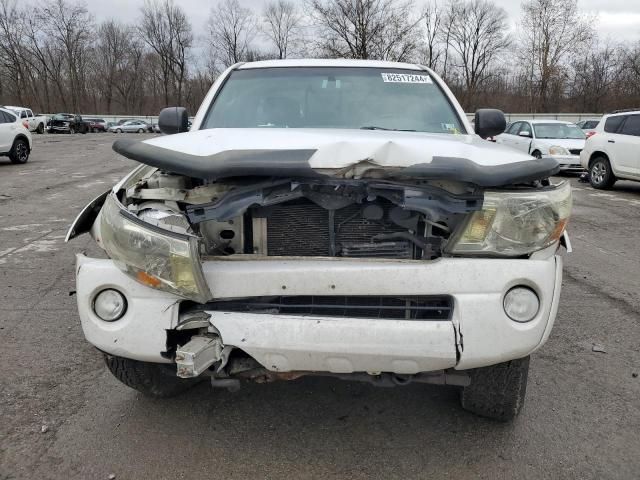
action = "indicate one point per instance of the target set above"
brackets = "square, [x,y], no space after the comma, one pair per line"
[569,162]
[478,334]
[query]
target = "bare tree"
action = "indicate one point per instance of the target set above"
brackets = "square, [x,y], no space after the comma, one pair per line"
[376,29]
[232,30]
[433,26]
[478,35]
[167,32]
[282,25]
[70,25]
[551,31]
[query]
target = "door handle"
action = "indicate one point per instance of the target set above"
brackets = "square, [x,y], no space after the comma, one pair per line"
[611,141]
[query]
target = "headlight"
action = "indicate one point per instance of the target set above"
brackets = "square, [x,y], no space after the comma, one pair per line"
[153,256]
[515,223]
[556,150]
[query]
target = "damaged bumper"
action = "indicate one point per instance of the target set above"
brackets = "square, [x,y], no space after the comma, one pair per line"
[475,332]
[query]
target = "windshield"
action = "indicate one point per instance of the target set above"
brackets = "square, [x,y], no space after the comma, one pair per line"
[62,116]
[333,97]
[558,130]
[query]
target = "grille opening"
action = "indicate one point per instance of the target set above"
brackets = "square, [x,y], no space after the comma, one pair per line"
[378,307]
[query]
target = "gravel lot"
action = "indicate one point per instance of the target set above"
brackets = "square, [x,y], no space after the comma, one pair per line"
[64,416]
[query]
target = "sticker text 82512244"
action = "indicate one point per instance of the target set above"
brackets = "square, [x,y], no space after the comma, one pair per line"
[405,78]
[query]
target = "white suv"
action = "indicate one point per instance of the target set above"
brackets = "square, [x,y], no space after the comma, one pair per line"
[613,151]
[15,139]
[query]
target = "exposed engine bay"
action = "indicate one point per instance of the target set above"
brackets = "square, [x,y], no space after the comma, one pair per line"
[315,218]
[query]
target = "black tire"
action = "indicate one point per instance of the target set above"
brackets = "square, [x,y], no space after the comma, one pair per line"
[19,151]
[156,380]
[537,154]
[118,130]
[140,130]
[600,174]
[497,391]
[40,129]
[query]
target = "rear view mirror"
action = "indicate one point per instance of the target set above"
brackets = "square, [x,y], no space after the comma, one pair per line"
[525,134]
[489,122]
[173,120]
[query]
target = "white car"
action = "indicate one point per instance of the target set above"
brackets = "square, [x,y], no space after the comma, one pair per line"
[35,123]
[613,152]
[301,229]
[15,139]
[588,126]
[547,138]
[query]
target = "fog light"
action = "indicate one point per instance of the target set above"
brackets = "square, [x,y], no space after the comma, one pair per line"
[110,305]
[521,304]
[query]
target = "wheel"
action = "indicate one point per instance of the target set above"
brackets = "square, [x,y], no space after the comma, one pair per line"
[140,130]
[72,130]
[19,151]
[151,379]
[600,174]
[118,130]
[40,129]
[537,154]
[497,391]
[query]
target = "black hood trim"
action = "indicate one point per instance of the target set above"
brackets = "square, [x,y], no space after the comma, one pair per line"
[295,163]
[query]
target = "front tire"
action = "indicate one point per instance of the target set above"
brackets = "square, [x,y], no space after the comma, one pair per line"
[156,380]
[40,129]
[537,154]
[118,130]
[497,391]
[600,174]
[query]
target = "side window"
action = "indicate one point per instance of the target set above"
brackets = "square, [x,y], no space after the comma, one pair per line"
[4,118]
[23,114]
[8,118]
[631,126]
[612,124]
[513,129]
[526,127]
[29,113]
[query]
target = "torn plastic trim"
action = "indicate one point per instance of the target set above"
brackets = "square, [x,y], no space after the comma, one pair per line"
[296,163]
[429,200]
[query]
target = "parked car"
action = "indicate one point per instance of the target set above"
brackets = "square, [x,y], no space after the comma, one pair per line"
[613,152]
[307,230]
[96,125]
[15,138]
[588,126]
[67,123]
[35,123]
[547,138]
[132,126]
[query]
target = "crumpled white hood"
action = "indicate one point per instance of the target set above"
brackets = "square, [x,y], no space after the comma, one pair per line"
[344,148]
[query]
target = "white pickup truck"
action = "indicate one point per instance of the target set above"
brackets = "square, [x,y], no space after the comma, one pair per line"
[36,123]
[326,217]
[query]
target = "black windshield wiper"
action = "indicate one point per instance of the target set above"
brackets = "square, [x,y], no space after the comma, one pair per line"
[373,127]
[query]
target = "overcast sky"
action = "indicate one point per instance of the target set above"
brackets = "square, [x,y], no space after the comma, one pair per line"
[617,19]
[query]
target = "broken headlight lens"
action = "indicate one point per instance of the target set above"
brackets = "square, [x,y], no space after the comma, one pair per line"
[515,223]
[153,256]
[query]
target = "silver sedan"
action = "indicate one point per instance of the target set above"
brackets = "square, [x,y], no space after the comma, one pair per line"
[131,126]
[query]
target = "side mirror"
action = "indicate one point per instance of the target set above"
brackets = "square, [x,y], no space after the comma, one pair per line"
[489,122]
[173,120]
[525,134]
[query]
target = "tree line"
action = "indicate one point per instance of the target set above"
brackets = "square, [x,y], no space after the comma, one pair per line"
[56,56]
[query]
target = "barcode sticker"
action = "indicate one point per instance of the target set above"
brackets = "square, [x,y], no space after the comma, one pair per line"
[405,78]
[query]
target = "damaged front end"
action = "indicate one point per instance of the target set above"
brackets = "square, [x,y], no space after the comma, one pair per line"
[178,229]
